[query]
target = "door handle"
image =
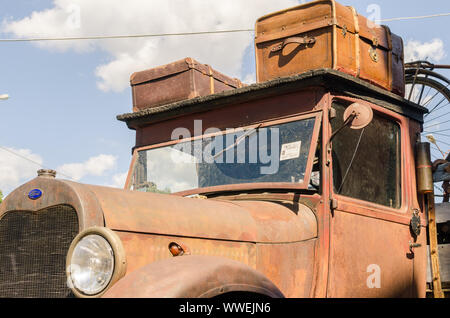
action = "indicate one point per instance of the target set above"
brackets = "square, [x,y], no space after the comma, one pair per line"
[413,245]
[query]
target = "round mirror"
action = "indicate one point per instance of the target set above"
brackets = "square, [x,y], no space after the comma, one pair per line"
[363,115]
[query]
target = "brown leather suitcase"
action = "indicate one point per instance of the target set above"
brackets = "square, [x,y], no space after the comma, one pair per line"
[177,81]
[326,34]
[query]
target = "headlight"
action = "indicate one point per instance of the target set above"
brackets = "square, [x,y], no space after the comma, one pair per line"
[92,264]
[95,261]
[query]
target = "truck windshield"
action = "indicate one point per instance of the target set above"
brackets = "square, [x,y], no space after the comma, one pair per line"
[277,153]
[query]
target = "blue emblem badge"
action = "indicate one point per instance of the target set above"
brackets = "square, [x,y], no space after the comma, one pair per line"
[35,194]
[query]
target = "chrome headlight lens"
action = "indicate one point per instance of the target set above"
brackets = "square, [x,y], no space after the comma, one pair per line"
[92,264]
[96,259]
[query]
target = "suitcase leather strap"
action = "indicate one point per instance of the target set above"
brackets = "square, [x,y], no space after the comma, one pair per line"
[295,39]
[211,80]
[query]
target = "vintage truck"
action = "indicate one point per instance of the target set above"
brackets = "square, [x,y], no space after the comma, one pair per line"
[302,186]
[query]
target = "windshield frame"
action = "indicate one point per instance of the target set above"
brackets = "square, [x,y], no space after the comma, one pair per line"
[317,114]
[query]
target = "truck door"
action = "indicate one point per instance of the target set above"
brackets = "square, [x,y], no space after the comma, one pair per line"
[369,231]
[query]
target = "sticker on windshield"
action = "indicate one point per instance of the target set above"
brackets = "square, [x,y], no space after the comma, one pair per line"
[290,150]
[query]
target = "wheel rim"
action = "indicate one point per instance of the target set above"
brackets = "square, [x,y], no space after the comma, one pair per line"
[431,91]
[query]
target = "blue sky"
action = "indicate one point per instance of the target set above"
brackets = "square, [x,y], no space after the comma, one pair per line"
[64,97]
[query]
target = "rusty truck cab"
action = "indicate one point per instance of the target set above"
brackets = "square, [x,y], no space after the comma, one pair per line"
[360,185]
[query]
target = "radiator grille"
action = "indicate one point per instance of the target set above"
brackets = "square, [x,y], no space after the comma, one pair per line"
[33,249]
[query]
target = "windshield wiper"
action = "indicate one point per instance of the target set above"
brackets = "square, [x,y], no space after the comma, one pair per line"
[238,140]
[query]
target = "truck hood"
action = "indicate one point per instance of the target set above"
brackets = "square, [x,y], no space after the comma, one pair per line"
[164,214]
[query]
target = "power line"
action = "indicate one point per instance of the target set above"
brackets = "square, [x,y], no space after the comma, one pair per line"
[32,161]
[101,37]
[414,18]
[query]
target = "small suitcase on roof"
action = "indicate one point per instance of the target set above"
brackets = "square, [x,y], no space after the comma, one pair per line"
[326,34]
[180,80]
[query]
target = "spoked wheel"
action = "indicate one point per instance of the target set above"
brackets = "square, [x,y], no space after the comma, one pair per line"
[431,90]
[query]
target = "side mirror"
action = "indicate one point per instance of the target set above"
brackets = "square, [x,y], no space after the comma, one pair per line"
[356,116]
[361,113]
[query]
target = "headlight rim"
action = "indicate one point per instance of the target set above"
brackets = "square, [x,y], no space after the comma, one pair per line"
[120,263]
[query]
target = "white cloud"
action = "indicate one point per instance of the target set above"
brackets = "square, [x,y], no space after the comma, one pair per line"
[114,17]
[432,51]
[15,170]
[249,79]
[118,180]
[95,166]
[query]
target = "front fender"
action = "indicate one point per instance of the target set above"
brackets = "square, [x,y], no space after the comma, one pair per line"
[192,276]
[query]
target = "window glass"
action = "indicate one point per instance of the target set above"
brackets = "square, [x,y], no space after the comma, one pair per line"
[366,162]
[276,153]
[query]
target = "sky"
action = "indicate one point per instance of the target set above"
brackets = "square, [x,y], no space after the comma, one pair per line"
[65,95]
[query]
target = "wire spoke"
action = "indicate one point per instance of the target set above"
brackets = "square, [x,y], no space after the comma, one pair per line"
[421,94]
[429,112]
[448,103]
[436,133]
[443,142]
[437,124]
[428,101]
[428,92]
[442,115]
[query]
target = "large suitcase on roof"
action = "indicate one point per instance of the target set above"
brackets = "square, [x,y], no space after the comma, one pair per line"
[326,34]
[180,80]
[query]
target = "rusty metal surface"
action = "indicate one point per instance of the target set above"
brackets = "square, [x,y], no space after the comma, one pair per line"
[326,34]
[142,249]
[56,192]
[364,235]
[360,244]
[299,224]
[310,266]
[33,249]
[219,228]
[289,266]
[424,173]
[178,277]
[420,263]
[233,116]
[167,214]
[141,212]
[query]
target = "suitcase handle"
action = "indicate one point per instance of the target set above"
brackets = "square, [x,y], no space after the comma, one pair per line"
[296,39]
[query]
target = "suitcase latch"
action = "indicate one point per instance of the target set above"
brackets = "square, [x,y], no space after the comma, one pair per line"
[344,30]
[375,41]
[373,54]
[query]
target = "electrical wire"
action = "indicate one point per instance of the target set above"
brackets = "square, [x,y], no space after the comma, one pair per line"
[102,37]
[415,18]
[32,161]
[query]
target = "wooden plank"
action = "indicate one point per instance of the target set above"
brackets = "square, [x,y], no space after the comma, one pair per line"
[432,231]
